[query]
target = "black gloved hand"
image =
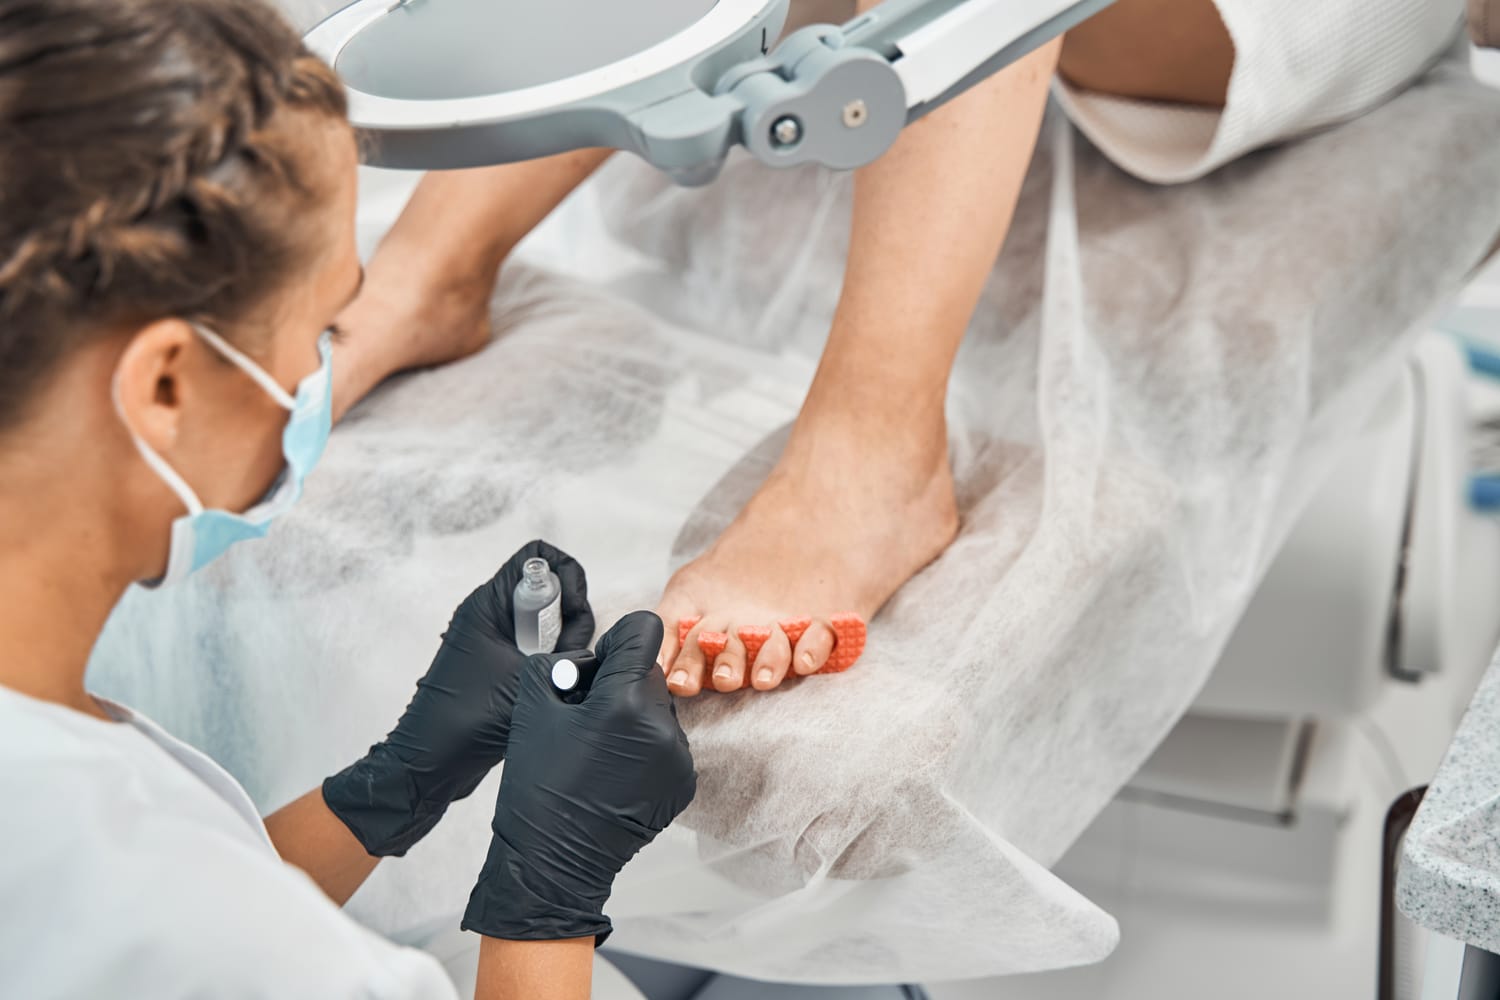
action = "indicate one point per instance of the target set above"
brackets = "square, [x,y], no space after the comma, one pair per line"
[458,723]
[585,787]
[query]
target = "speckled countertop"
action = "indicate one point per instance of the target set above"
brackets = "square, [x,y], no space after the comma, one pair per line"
[1449,879]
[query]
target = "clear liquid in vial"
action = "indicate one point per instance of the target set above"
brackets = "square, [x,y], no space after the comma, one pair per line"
[538,608]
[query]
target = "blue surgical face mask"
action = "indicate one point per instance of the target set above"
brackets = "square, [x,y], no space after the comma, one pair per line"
[202,535]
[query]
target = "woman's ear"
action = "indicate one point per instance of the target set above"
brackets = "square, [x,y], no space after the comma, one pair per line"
[148,381]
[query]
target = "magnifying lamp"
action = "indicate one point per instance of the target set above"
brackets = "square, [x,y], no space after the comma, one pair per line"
[438,84]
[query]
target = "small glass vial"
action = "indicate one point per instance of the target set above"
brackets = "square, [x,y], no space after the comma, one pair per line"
[538,608]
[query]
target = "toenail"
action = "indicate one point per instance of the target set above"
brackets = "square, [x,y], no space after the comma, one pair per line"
[765,675]
[680,678]
[723,672]
[807,660]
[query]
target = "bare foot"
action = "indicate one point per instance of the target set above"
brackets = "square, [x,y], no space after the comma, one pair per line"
[404,319]
[853,509]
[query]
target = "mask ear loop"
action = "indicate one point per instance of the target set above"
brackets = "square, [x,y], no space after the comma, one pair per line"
[244,364]
[175,482]
[159,465]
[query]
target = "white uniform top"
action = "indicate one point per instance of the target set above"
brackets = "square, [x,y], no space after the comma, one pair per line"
[131,865]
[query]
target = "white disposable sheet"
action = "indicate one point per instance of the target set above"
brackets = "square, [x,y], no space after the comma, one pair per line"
[1151,388]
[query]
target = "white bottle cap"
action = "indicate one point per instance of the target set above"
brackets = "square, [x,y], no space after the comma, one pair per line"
[565,675]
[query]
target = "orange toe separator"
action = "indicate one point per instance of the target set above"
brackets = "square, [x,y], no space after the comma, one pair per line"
[794,627]
[848,639]
[712,644]
[754,637]
[849,642]
[849,634]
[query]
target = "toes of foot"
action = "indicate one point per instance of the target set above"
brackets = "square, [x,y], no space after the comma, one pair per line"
[754,639]
[729,666]
[812,649]
[686,675]
[772,662]
[703,655]
[728,676]
[673,642]
[686,625]
[794,628]
[682,681]
[711,643]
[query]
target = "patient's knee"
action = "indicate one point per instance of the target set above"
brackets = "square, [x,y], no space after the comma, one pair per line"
[1164,50]
[804,12]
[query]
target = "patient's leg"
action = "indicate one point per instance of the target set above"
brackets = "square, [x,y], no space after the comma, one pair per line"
[427,291]
[1164,50]
[863,497]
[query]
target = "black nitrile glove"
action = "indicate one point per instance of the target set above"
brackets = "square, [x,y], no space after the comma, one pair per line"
[458,723]
[584,788]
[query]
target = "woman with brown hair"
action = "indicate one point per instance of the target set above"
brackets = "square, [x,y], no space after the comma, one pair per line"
[177,192]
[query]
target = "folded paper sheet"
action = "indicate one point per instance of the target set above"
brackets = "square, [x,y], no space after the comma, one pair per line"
[1150,389]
